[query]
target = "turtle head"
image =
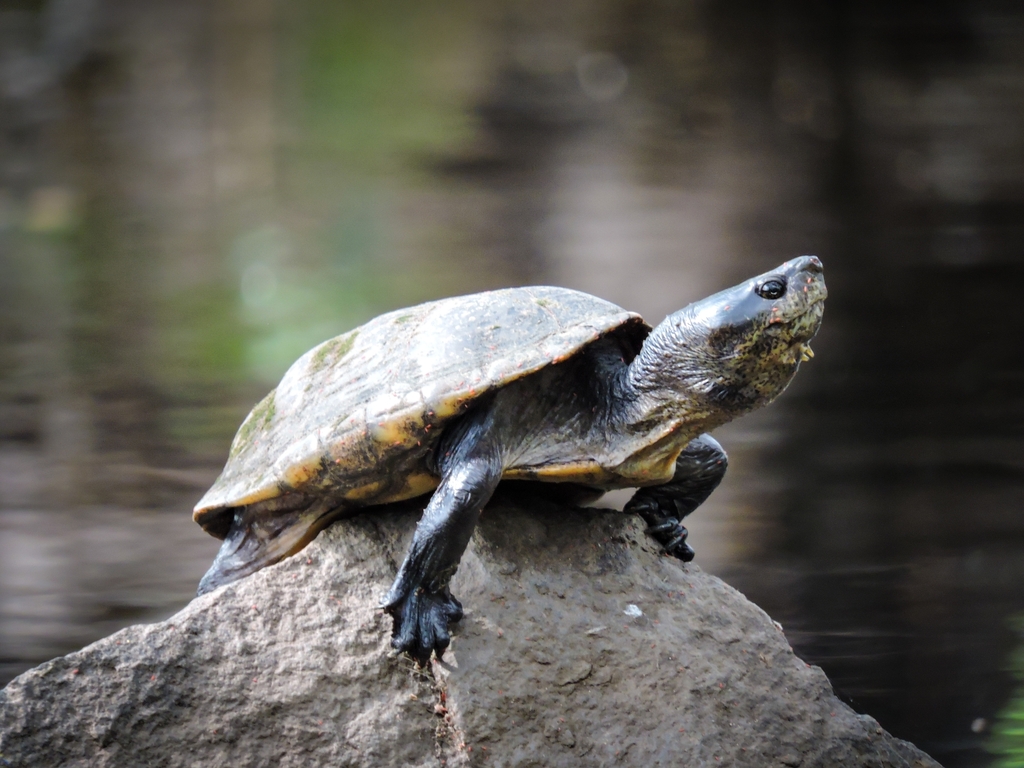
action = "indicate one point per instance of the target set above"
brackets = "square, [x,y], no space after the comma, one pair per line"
[738,349]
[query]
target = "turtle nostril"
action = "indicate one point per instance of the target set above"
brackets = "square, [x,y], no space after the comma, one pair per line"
[812,264]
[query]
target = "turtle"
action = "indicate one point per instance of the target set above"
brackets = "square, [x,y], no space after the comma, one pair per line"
[541,384]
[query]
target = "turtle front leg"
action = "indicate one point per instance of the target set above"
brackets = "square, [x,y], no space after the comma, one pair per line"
[419,601]
[699,469]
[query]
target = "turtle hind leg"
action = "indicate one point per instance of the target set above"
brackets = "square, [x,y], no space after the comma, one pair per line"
[699,469]
[263,534]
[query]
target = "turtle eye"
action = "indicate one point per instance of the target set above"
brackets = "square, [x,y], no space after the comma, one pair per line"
[772,288]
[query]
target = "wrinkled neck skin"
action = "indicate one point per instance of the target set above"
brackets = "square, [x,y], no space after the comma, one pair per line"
[686,373]
[723,356]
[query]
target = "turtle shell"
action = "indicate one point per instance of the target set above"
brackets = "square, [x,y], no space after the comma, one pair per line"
[355,416]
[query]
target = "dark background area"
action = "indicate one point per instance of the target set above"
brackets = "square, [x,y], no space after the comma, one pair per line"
[193,193]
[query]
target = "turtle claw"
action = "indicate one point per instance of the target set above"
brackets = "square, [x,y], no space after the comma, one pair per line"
[667,526]
[646,507]
[663,526]
[672,535]
[420,622]
[678,547]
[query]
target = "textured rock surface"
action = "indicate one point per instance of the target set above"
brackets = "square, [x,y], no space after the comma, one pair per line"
[580,646]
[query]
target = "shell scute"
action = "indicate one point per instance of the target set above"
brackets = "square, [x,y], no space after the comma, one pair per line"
[354,401]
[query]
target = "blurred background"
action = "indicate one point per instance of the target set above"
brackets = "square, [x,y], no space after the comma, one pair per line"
[194,193]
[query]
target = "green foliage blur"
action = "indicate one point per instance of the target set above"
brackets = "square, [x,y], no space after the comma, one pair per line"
[157,288]
[375,93]
[363,96]
[1007,741]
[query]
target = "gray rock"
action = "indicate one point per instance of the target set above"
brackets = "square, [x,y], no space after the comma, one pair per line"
[550,667]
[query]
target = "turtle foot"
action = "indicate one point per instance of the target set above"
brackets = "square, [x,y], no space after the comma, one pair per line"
[671,534]
[666,529]
[421,620]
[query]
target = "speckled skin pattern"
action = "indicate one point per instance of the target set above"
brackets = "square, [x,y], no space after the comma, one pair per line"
[539,383]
